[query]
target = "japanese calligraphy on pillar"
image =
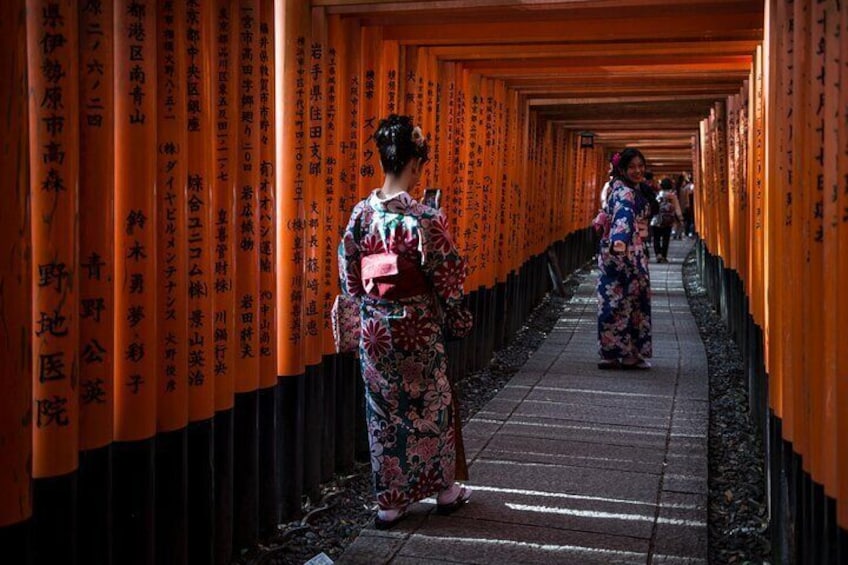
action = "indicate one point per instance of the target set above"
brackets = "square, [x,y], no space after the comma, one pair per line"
[329,269]
[788,93]
[392,91]
[349,148]
[247,248]
[223,205]
[199,210]
[170,278]
[429,123]
[411,80]
[314,211]
[503,158]
[456,122]
[474,185]
[437,134]
[369,108]
[291,94]
[369,166]
[296,224]
[419,88]
[135,230]
[485,150]
[96,343]
[52,46]
[267,202]
[816,115]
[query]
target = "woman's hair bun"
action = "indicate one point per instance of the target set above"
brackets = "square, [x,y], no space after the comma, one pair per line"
[398,143]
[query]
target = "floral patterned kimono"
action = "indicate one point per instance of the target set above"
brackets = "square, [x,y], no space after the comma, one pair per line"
[402,350]
[624,287]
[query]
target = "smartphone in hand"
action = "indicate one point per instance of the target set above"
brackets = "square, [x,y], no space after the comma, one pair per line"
[432,197]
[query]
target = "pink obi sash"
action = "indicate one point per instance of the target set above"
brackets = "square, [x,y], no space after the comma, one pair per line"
[392,277]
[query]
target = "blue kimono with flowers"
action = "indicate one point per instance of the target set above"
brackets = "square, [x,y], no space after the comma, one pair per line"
[402,349]
[624,286]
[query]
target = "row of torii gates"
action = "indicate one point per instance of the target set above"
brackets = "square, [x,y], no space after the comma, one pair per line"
[176,175]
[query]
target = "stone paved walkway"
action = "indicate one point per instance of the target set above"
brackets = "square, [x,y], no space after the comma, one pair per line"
[571,464]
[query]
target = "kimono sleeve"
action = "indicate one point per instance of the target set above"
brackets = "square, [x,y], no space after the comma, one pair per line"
[350,255]
[624,216]
[447,271]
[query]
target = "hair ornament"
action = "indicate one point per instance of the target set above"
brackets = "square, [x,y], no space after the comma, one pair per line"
[417,136]
[615,159]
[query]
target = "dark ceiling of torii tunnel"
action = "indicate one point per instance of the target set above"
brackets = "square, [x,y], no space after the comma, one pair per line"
[633,72]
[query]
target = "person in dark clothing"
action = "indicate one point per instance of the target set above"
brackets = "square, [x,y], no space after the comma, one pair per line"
[668,215]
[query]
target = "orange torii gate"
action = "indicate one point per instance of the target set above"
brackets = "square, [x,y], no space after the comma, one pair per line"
[181,173]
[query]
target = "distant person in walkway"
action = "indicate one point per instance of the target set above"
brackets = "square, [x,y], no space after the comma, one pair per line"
[669,214]
[679,183]
[687,204]
[398,257]
[649,189]
[606,188]
[624,286]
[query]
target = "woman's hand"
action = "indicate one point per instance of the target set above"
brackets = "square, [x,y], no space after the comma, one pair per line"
[618,247]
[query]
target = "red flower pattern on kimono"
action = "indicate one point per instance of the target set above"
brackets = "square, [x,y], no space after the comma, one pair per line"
[402,352]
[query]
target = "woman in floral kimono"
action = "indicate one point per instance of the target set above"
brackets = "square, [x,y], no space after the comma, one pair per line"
[624,287]
[397,256]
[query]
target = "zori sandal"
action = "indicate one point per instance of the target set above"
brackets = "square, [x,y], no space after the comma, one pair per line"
[640,365]
[389,523]
[608,364]
[462,497]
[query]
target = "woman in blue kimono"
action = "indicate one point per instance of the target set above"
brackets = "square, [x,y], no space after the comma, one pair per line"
[624,286]
[398,258]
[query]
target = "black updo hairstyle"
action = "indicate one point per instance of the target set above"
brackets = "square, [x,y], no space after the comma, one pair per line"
[624,158]
[396,145]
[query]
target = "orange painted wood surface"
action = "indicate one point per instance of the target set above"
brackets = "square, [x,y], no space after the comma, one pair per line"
[136,349]
[200,217]
[224,155]
[267,198]
[313,319]
[171,289]
[292,96]
[828,118]
[15,276]
[247,199]
[841,308]
[96,238]
[52,42]
[333,182]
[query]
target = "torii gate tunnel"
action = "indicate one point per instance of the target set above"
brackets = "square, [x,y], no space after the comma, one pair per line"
[176,176]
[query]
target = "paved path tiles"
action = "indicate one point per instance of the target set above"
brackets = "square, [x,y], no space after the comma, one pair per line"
[571,464]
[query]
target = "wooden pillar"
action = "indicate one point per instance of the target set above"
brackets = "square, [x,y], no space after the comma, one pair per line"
[247,242]
[198,234]
[291,156]
[170,285]
[329,246]
[96,294]
[52,35]
[344,39]
[313,240]
[16,277]
[203,547]
[269,393]
[841,336]
[136,348]
[829,114]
